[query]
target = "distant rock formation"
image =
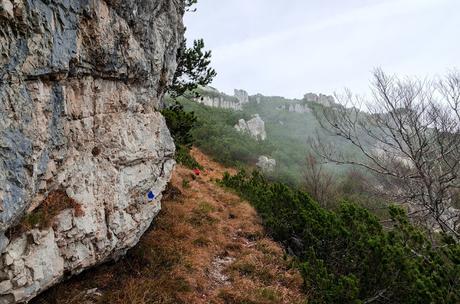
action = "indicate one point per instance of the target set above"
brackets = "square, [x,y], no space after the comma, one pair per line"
[325,100]
[254,127]
[295,108]
[242,96]
[220,102]
[299,108]
[266,164]
[258,98]
[213,98]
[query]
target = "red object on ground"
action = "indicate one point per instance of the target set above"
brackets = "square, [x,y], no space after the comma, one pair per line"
[196,171]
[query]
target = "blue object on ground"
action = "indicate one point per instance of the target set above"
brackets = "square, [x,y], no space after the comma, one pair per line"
[151,196]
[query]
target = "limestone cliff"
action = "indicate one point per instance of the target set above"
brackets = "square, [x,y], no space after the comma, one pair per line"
[325,100]
[80,85]
[213,98]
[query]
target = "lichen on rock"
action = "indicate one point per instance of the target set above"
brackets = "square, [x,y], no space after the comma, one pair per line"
[81,83]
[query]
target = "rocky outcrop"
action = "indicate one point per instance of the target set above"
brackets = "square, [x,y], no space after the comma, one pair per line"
[254,127]
[299,108]
[80,85]
[213,98]
[220,102]
[295,107]
[266,164]
[325,100]
[242,96]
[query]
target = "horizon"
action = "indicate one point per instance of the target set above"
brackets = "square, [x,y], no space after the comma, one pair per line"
[252,52]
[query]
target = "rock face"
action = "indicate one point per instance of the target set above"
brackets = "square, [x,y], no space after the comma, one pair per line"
[220,102]
[242,96]
[213,98]
[254,127]
[266,164]
[299,108]
[80,85]
[325,100]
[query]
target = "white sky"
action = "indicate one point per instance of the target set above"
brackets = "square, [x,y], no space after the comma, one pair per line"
[290,47]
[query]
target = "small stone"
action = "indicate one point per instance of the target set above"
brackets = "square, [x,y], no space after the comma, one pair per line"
[20,280]
[6,9]
[4,242]
[7,299]
[5,286]
[8,259]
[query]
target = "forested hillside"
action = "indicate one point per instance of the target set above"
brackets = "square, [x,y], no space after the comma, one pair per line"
[288,133]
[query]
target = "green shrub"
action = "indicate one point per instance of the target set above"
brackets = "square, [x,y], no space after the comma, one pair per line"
[185,183]
[183,157]
[347,256]
[180,124]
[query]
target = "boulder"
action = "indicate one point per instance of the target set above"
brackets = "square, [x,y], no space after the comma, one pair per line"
[266,164]
[81,86]
[254,127]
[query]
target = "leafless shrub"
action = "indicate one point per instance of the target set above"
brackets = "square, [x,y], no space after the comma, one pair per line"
[409,134]
[319,183]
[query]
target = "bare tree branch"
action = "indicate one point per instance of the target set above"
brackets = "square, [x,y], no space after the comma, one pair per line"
[408,133]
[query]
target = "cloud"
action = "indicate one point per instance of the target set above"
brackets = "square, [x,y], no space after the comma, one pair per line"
[308,48]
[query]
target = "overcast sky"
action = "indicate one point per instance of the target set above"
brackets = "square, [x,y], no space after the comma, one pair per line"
[290,47]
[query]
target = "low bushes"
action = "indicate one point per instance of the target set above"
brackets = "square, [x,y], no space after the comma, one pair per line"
[347,256]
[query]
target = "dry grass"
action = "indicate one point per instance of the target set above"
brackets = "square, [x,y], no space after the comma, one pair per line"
[42,217]
[206,246]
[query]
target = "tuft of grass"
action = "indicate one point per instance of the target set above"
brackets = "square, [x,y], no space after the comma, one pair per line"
[201,242]
[258,296]
[43,216]
[185,183]
[184,157]
[206,207]
[201,215]
[269,295]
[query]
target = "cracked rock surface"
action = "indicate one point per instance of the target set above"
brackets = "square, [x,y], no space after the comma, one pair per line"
[81,82]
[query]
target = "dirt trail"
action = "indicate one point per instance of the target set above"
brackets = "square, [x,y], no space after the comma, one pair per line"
[206,246]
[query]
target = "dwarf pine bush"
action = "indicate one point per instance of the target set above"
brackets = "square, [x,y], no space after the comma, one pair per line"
[347,256]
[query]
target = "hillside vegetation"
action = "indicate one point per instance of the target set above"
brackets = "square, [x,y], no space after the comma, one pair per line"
[347,256]
[287,135]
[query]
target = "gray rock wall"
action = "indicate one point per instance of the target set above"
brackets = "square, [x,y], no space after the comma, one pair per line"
[242,96]
[213,98]
[254,127]
[325,100]
[220,102]
[266,164]
[80,85]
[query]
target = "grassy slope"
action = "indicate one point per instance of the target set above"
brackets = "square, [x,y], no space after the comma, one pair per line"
[206,246]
